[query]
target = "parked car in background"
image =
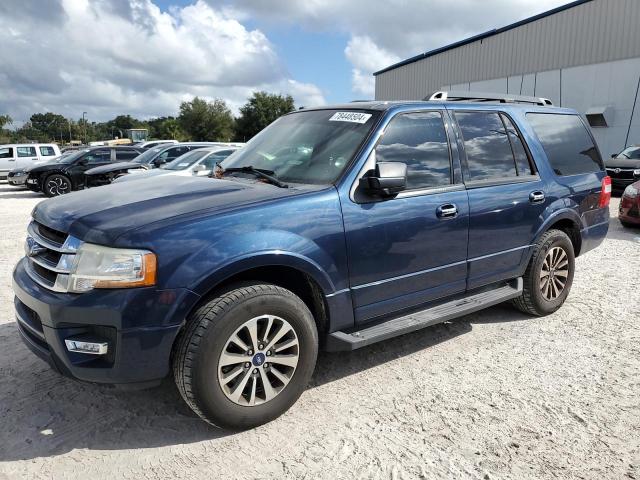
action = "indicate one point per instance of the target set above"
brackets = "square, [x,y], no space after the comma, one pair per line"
[629,210]
[151,158]
[24,155]
[154,143]
[200,163]
[335,227]
[67,173]
[624,168]
[18,176]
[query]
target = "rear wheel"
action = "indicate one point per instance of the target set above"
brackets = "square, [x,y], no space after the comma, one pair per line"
[549,275]
[56,184]
[245,357]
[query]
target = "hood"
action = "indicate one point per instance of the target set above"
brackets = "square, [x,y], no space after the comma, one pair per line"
[143,175]
[622,163]
[101,215]
[113,167]
[45,167]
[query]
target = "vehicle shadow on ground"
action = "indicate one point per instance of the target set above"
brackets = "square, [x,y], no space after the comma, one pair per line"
[44,414]
[9,191]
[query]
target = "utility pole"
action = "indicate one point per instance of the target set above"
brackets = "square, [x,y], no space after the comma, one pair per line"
[84,124]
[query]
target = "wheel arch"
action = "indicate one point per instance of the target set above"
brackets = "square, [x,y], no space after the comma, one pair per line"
[567,221]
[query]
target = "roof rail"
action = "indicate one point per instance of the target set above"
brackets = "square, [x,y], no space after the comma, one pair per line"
[462,96]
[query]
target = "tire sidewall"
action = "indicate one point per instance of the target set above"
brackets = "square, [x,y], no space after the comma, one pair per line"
[208,393]
[558,239]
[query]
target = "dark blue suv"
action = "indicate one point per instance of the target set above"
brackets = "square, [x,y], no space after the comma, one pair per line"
[335,227]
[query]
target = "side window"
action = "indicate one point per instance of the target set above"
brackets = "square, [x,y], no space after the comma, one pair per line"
[6,152]
[566,142]
[487,146]
[98,156]
[47,151]
[26,151]
[519,152]
[419,140]
[125,154]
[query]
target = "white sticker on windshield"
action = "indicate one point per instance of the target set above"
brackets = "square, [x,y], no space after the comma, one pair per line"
[183,164]
[353,117]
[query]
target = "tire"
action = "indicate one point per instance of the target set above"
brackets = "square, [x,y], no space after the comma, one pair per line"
[56,184]
[538,297]
[628,225]
[198,365]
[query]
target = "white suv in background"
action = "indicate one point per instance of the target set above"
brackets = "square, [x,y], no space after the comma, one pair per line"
[25,155]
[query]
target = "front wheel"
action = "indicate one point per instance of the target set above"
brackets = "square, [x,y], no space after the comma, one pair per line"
[56,184]
[549,275]
[245,357]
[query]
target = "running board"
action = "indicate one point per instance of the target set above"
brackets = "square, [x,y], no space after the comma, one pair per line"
[344,341]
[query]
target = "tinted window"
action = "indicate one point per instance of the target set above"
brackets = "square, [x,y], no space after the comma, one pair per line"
[122,154]
[47,151]
[26,151]
[171,154]
[420,141]
[98,156]
[566,142]
[487,146]
[519,152]
[6,152]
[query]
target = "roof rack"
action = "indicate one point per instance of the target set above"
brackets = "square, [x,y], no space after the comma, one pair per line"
[462,96]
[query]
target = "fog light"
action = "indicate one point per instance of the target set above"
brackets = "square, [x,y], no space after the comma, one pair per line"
[82,346]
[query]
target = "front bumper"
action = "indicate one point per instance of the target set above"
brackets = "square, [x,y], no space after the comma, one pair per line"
[139,324]
[17,181]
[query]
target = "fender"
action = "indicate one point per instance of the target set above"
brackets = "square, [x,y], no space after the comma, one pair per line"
[564,214]
[265,259]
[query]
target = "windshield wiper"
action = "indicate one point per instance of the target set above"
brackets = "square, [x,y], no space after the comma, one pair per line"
[258,172]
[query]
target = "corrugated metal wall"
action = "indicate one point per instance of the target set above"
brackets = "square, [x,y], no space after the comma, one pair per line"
[594,32]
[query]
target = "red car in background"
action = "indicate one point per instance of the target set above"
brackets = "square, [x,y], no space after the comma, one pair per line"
[629,213]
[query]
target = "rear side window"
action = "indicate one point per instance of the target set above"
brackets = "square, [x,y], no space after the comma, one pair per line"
[519,152]
[26,151]
[566,142]
[47,151]
[420,141]
[98,156]
[122,154]
[487,146]
[6,152]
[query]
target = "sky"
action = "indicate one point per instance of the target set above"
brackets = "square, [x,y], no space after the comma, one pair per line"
[144,57]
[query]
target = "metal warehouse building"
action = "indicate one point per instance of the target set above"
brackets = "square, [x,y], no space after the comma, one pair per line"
[584,55]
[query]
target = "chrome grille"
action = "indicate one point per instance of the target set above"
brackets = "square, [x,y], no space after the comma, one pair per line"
[50,256]
[623,173]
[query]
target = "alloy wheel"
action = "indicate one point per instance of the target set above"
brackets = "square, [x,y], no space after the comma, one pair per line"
[58,186]
[258,360]
[554,273]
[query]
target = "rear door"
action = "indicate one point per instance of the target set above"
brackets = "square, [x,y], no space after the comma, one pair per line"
[7,160]
[506,195]
[46,153]
[411,249]
[26,156]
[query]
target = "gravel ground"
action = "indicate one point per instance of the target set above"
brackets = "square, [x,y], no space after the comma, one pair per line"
[491,395]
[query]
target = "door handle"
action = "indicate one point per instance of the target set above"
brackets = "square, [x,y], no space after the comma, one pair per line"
[448,210]
[536,197]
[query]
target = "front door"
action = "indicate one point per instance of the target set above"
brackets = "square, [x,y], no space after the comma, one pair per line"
[412,249]
[92,159]
[7,160]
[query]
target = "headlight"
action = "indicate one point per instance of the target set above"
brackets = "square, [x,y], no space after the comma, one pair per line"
[630,191]
[636,173]
[96,266]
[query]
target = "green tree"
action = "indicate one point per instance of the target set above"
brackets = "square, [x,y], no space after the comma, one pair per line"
[206,121]
[5,120]
[49,124]
[261,109]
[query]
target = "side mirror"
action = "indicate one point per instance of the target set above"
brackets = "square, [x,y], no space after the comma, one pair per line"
[386,180]
[83,162]
[198,168]
[614,155]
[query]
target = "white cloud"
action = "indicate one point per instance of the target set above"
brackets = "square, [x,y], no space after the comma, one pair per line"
[127,56]
[384,31]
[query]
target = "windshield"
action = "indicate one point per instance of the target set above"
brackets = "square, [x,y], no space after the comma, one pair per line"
[307,146]
[186,160]
[631,152]
[70,157]
[149,155]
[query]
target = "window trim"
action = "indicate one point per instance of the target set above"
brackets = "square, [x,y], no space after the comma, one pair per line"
[414,192]
[535,175]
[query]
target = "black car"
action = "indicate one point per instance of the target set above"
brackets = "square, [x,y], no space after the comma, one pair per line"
[67,173]
[624,168]
[151,158]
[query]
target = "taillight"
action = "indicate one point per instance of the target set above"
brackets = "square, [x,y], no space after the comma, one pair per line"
[605,193]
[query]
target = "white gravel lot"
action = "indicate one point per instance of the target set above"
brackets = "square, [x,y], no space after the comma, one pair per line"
[491,395]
